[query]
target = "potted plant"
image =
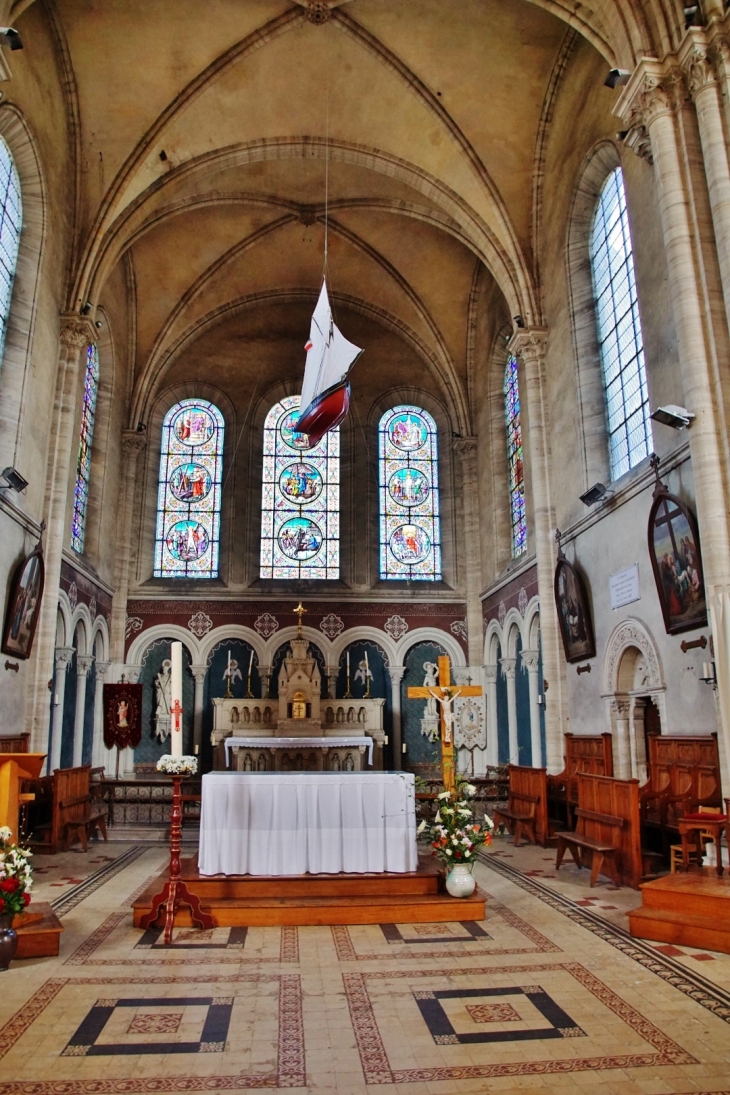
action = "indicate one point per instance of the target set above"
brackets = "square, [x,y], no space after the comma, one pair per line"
[16,881]
[456,838]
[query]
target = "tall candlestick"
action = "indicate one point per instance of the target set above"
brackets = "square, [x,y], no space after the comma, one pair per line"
[250,664]
[348,663]
[176,737]
[249,693]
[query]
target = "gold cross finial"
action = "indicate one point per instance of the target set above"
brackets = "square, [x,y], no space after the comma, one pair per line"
[299,612]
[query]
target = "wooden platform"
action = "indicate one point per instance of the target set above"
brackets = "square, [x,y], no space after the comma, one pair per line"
[39,932]
[250,901]
[689,908]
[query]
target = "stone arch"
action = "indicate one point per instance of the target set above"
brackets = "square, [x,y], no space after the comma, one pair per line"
[631,633]
[144,639]
[432,635]
[24,301]
[632,675]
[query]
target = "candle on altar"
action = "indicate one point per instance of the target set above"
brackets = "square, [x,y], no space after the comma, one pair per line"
[229,661]
[367,665]
[348,663]
[250,665]
[176,738]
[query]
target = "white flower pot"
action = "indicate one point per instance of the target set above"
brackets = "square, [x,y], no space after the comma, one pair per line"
[460,881]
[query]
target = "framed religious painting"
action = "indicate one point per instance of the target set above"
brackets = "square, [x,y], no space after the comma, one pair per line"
[574,612]
[24,605]
[674,550]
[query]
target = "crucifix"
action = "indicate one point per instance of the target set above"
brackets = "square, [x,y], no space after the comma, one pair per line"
[445,694]
[299,613]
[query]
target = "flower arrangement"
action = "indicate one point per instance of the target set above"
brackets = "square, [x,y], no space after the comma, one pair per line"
[16,875]
[453,835]
[177,766]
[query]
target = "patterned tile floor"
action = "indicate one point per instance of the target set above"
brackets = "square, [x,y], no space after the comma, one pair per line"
[548,994]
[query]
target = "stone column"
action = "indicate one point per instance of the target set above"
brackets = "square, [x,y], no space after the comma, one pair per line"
[530,345]
[75,335]
[531,661]
[83,665]
[490,689]
[466,450]
[395,672]
[265,678]
[620,719]
[638,740]
[98,758]
[509,668]
[198,672]
[62,660]
[704,87]
[133,444]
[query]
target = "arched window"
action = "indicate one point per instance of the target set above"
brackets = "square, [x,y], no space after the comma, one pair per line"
[11,219]
[518,520]
[410,527]
[619,329]
[300,499]
[83,464]
[187,542]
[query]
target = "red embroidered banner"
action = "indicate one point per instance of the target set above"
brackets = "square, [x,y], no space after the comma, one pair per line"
[122,715]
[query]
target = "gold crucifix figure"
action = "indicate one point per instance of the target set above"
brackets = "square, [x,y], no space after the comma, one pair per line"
[445,693]
[299,612]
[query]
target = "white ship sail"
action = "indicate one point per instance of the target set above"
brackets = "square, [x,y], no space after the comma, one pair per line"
[329,355]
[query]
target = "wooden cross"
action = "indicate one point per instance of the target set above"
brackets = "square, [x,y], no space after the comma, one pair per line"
[176,710]
[445,693]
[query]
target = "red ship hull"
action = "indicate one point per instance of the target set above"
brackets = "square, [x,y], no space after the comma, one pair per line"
[325,412]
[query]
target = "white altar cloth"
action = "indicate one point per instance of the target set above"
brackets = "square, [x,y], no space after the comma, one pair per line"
[298,743]
[291,823]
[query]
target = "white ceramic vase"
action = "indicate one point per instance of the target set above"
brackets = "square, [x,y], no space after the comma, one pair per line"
[460,881]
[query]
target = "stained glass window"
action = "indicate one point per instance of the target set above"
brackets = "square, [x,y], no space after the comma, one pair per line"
[300,499]
[518,520]
[410,526]
[11,218]
[619,330]
[187,542]
[83,464]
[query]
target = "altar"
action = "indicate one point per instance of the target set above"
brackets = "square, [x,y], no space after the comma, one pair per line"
[286,823]
[299,731]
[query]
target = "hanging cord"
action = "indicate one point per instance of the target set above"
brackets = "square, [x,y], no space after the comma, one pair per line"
[325,271]
[240,436]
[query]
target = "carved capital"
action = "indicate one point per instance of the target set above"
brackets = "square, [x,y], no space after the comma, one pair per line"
[650,92]
[509,667]
[529,344]
[63,656]
[466,448]
[131,673]
[621,708]
[395,672]
[133,442]
[198,672]
[84,664]
[101,669]
[76,332]
[490,673]
[530,660]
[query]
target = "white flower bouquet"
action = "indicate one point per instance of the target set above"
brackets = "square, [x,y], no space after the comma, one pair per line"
[453,834]
[16,874]
[177,766]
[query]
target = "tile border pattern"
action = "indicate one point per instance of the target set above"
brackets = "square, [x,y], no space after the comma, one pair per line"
[694,985]
[346,952]
[377,1069]
[291,1064]
[73,897]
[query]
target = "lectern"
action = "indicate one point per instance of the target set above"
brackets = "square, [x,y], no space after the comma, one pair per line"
[14,768]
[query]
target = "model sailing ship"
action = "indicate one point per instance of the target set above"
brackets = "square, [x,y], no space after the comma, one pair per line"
[326,388]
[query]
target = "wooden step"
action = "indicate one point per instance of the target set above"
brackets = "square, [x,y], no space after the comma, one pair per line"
[695,893]
[336,909]
[679,927]
[39,932]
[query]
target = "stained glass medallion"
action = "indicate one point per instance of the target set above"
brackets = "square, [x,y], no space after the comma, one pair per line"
[83,463]
[518,518]
[410,532]
[300,499]
[187,542]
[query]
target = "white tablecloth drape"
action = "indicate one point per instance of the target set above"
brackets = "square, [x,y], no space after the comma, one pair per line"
[291,823]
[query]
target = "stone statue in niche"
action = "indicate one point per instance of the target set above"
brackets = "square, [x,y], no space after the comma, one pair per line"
[162,700]
[430,680]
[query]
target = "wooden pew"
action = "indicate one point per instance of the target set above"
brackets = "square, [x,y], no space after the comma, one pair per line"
[684,774]
[598,833]
[611,806]
[585,754]
[526,809]
[75,814]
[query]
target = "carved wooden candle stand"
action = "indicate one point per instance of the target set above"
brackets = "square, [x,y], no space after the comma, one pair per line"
[175,893]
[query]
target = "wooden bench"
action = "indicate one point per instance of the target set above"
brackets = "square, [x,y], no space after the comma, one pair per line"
[519,821]
[589,836]
[585,754]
